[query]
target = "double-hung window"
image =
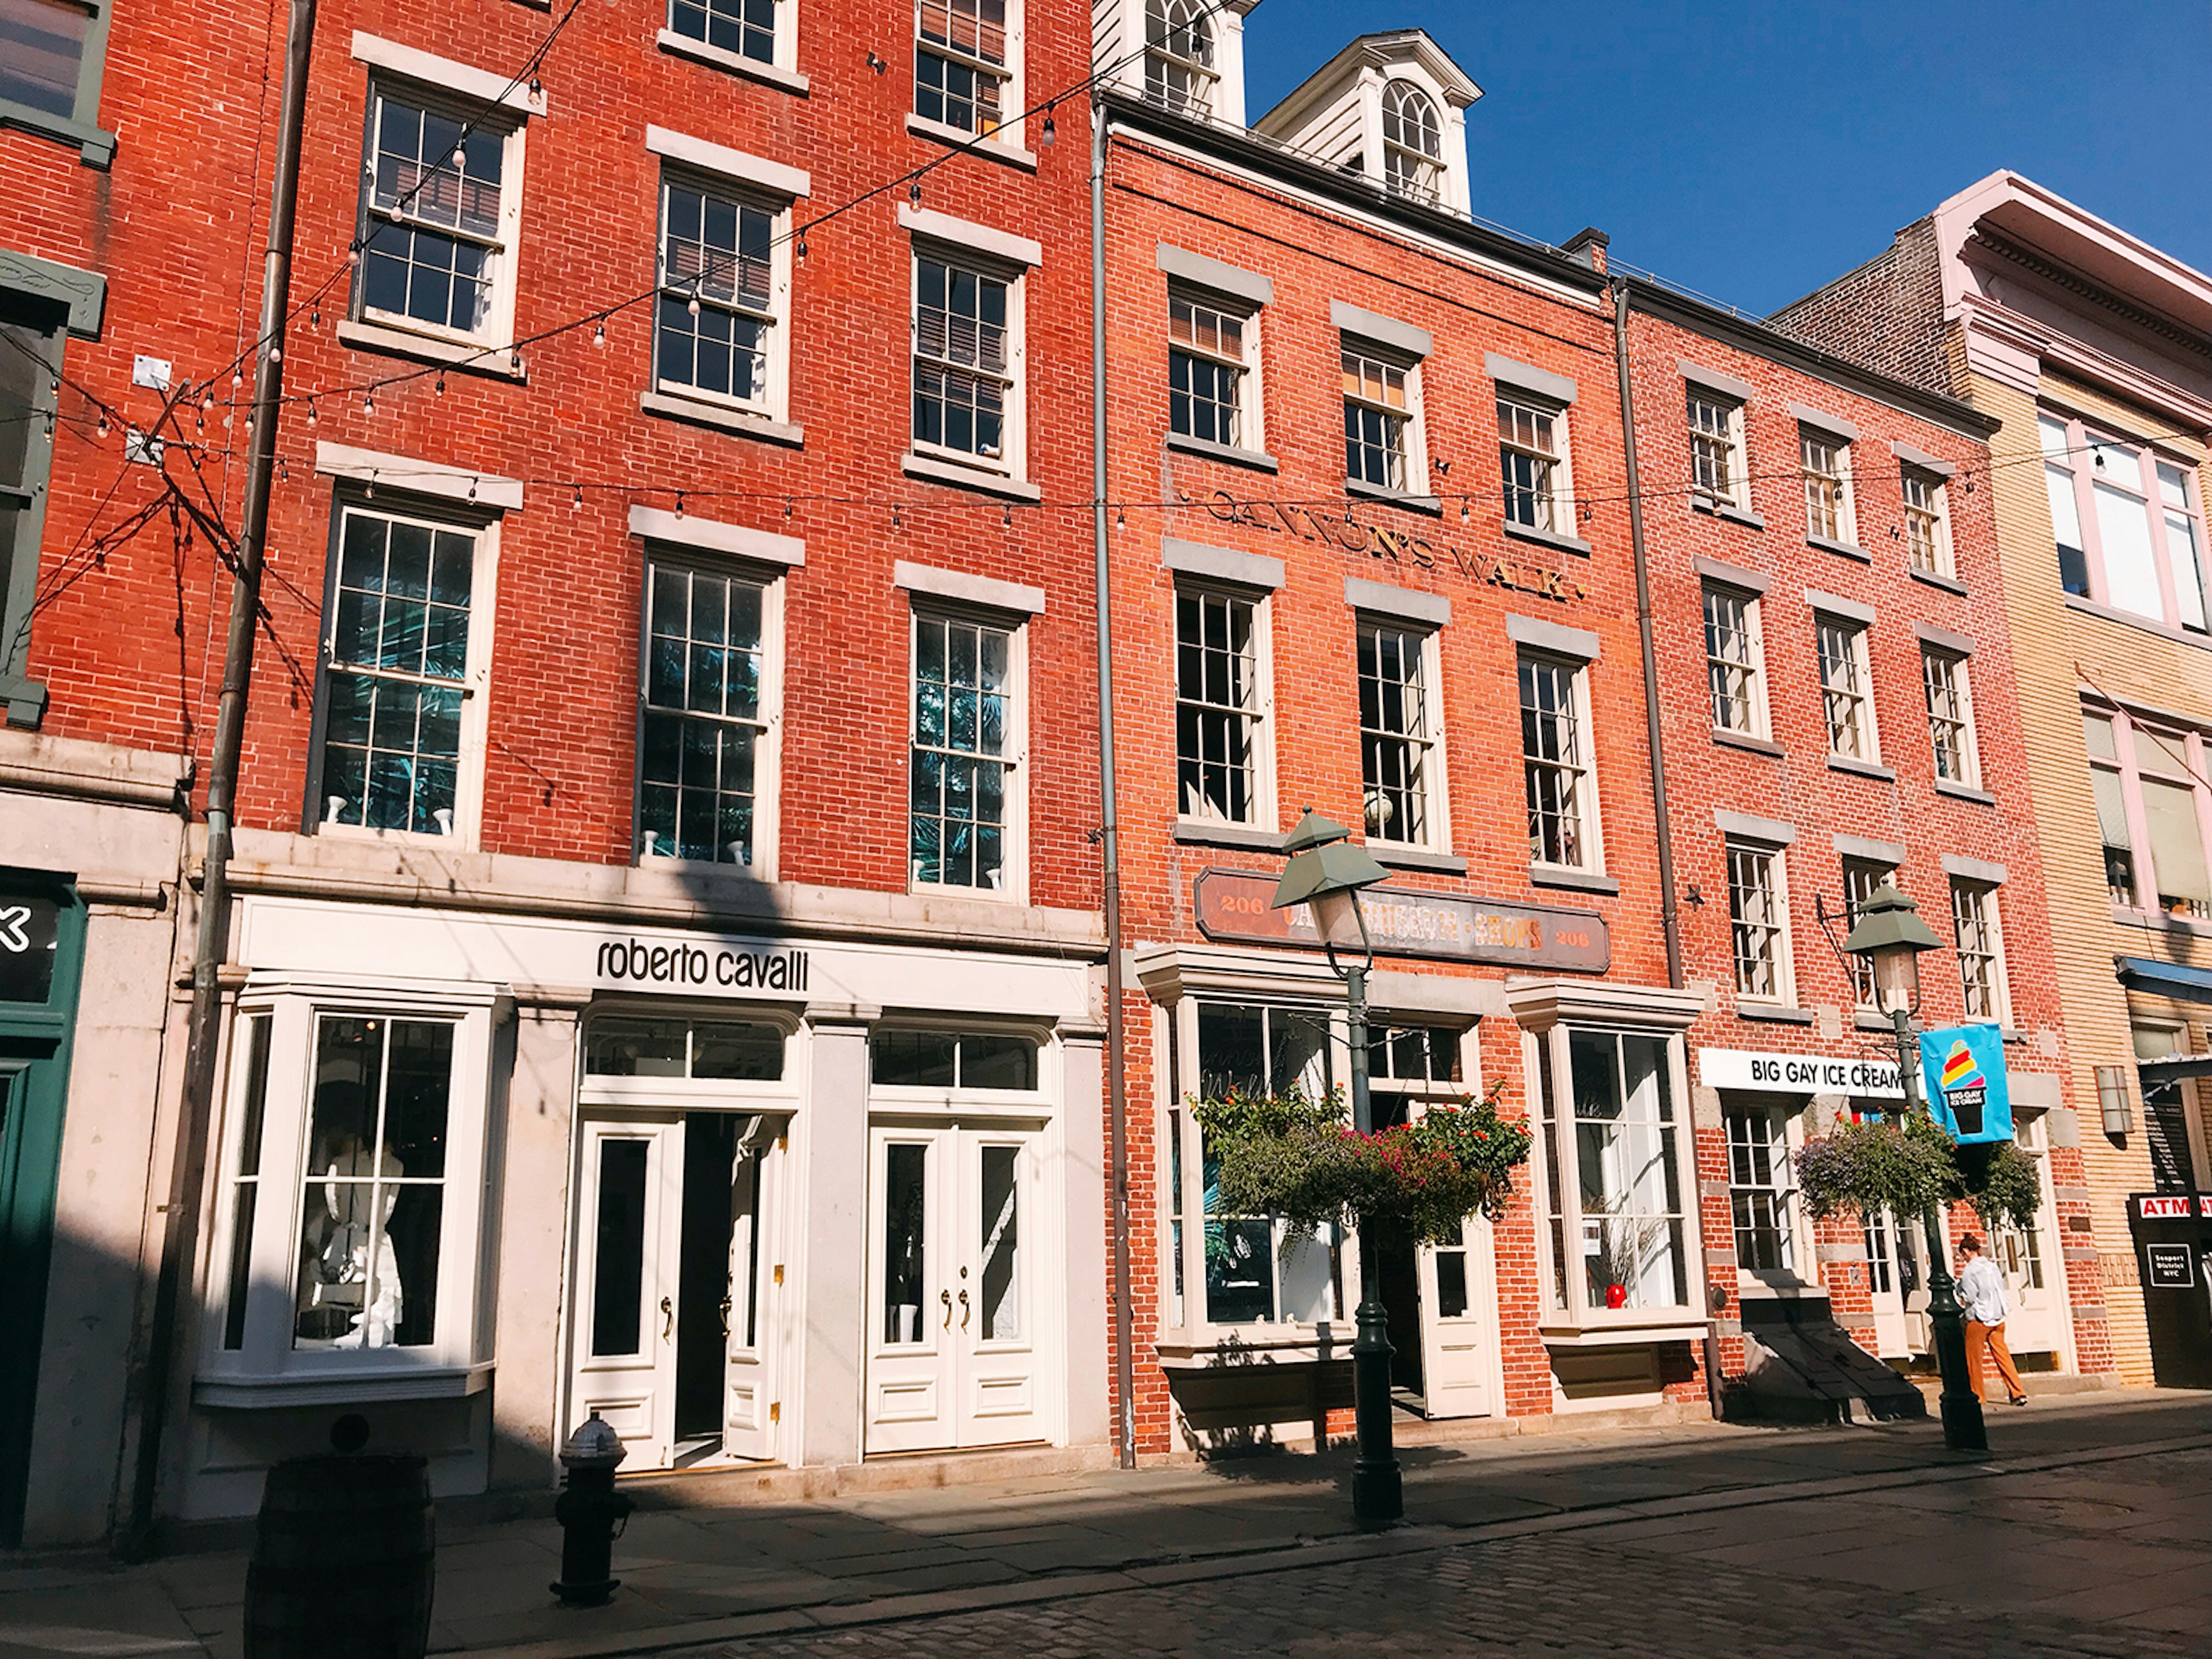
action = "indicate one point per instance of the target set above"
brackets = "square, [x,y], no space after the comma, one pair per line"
[2129,524]
[745,28]
[1950,716]
[31,334]
[1532,452]
[1980,941]
[964,385]
[1398,733]
[718,332]
[1735,669]
[402,720]
[1758,922]
[1220,705]
[51,52]
[1717,467]
[1258,1269]
[706,764]
[1555,763]
[1413,143]
[1611,1125]
[967,740]
[1760,1193]
[1210,353]
[1927,523]
[964,63]
[440,205]
[2165,809]
[1824,460]
[1846,695]
[1179,68]
[1861,877]
[1378,416]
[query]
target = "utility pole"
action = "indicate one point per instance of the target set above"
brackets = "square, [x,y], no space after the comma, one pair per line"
[188,1170]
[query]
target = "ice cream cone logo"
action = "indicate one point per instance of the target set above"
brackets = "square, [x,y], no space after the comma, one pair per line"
[1960,1071]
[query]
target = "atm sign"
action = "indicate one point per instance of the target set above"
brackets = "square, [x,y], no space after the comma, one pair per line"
[2173,1208]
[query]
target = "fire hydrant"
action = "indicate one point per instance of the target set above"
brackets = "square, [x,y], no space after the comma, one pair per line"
[591,1514]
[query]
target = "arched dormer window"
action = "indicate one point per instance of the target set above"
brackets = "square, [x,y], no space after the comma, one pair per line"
[1412,142]
[1179,69]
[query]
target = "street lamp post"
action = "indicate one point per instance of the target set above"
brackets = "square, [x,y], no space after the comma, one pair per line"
[1889,938]
[1326,872]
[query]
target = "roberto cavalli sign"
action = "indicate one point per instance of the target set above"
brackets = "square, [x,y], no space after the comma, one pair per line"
[1799,1074]
[714,965]
[1237,905]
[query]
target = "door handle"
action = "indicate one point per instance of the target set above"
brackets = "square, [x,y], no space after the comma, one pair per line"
[964,1310]
[726,1318]
[667,1318]
[946,1296]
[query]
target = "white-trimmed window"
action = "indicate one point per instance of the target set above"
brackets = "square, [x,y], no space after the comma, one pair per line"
[1824,460]
[965,788]
[400,731]
[1927,521]
[2151,790]
[745,28]
[706,751]
[1532,454]
[1759,1192]
[1179,67]
[1978,934]
[1758,922]
[1735,660]
[964,59]
[2129,523]
[352,1176]
[1398,759]
[1846,682]
[1380,410]
[1221,705]
[1212,347]
[1610,1123]
[1413,143]
[1860,877]
[1256,1270]
[721,328]
[966,361]
[440,208]
[1716,465]
[1950,716]
[1555,763]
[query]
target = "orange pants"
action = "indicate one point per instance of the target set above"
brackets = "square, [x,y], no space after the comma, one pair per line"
[1992,1337]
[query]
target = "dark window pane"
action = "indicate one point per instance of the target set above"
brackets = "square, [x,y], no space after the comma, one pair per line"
[618,1275]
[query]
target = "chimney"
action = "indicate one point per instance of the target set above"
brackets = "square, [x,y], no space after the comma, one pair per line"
[1587,246]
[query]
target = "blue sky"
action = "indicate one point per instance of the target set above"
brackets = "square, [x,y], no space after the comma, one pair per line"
[1753,152]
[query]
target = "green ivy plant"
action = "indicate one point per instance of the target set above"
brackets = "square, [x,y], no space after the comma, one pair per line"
[1910,1168]
[1298,1156]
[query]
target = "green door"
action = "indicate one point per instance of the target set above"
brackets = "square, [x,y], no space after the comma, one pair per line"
[41,948]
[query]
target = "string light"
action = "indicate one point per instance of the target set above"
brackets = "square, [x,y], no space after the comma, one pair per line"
[1051,132]
[914,192]
[599,337]
[440,387]
[679,503]
[312,417]
[577,505]
[368,403]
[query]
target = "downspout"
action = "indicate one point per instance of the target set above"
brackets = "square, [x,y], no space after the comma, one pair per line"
[1670,919]
[1109,859]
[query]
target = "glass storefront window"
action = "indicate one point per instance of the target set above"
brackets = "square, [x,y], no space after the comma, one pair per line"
[953,1060]
[720,1050]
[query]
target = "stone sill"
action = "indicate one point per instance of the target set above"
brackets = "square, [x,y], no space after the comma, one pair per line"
[967,477]
[95,145]
[1521,533]
[683,46]
[1862,769]
[1581,881]
[2129,619]
[991,149]
[1844,550]
[1938,578]
[1428,504]
[1258,459]
[1746,741]
[1728,510]
[698,412]
[1418,858]
[1964,792]
[492,362]
[1204,832]
[1776,1013]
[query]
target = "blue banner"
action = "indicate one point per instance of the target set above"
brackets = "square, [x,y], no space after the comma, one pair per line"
[1968,1093]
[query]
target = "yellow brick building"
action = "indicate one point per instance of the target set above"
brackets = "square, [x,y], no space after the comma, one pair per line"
[2095,351]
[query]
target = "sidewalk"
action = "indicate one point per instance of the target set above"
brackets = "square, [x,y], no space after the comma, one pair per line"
[699,1575]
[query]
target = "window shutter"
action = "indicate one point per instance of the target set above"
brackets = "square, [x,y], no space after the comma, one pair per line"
[2177,844]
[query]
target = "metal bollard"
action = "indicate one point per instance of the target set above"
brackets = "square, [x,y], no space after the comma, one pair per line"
[590,1513]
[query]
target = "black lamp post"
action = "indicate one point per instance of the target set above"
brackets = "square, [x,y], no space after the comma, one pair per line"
[1889,938]
[1326,872]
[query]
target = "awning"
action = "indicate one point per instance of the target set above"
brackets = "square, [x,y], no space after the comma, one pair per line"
[2174,1067]
[2165,978]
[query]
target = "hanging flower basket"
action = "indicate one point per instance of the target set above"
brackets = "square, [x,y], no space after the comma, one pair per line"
[1910,1168]
[1295,1157]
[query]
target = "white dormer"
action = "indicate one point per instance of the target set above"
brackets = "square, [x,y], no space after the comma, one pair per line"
[1392,106]
[1184,55]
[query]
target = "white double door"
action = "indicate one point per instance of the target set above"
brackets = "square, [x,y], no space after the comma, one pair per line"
[952,1315]
[675,1306]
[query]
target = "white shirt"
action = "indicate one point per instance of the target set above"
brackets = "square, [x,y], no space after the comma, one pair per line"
[1981,1291]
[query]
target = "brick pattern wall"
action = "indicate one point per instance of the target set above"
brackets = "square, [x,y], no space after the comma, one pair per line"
[1887,315]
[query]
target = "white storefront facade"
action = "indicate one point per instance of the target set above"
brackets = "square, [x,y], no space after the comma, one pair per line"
[756,1197]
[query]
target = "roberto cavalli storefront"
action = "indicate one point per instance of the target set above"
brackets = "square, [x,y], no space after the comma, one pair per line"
[793,1200]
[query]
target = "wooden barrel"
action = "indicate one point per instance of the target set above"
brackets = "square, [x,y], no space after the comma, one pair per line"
[345,1561]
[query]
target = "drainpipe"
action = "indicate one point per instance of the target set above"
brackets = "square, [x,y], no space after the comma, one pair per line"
[203,1027]
[1110,860]
[1670,919]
